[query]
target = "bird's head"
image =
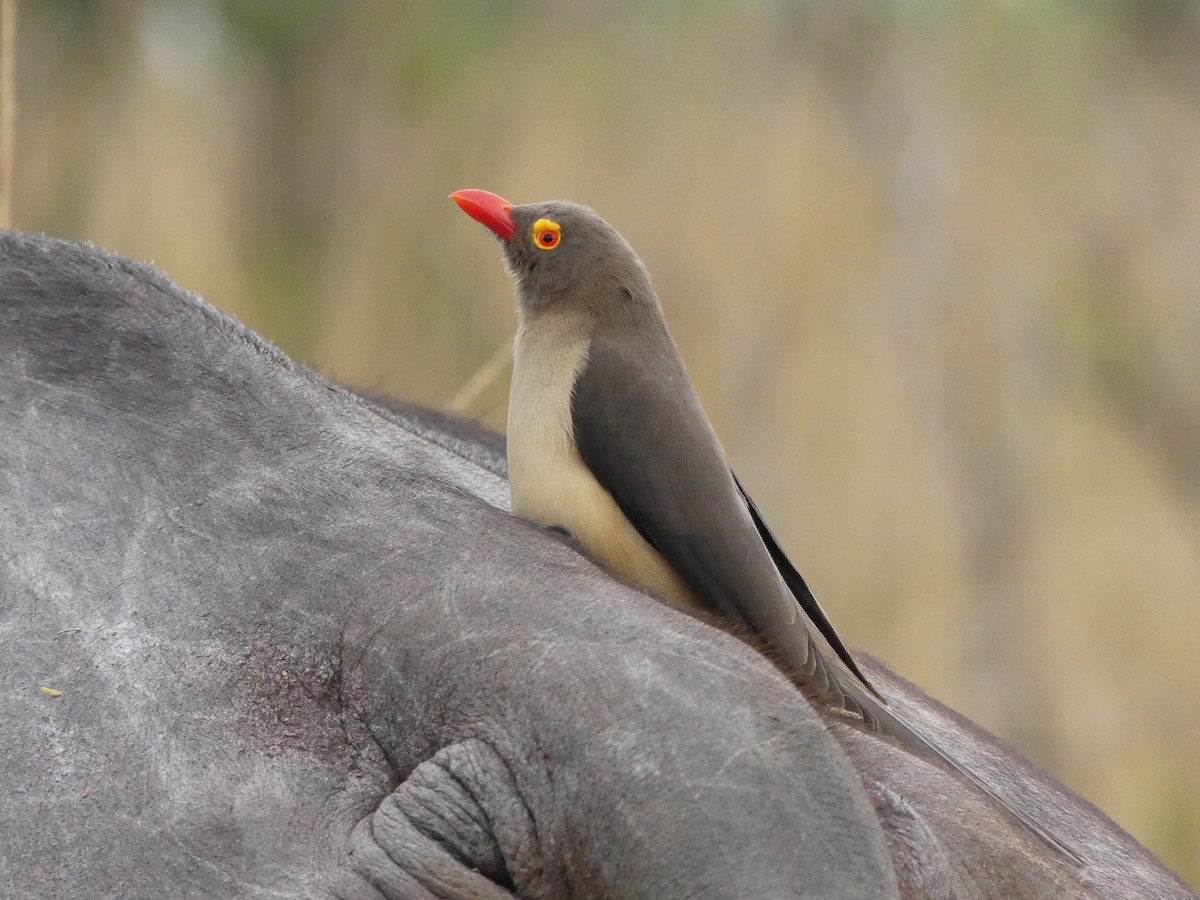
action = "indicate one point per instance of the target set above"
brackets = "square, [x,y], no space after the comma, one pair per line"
[560,253]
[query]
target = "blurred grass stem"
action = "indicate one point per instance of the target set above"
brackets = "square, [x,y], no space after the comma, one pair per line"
[483,378]
[8,105]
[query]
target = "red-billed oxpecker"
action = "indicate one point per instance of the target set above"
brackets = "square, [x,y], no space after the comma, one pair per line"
[607,439]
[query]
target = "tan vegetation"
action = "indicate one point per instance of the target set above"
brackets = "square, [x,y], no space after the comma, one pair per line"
[935,268]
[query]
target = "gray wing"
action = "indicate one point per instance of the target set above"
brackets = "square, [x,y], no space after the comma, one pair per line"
[642,433]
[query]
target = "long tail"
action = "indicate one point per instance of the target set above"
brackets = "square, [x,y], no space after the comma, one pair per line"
[885,720]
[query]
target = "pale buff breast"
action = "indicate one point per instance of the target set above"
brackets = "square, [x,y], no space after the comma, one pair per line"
[549,481]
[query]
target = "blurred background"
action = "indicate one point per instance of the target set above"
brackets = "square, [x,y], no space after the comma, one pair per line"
[934,265]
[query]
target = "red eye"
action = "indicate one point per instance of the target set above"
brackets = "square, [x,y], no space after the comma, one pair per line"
[546,234]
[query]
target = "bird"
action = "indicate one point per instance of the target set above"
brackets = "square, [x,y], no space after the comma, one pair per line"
[607,439]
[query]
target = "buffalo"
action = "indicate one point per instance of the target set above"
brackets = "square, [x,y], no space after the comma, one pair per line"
[265,637]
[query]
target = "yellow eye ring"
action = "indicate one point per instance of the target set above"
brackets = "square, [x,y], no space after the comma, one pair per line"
[546,234]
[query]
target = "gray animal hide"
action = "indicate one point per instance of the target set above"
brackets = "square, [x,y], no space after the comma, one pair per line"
[304,651]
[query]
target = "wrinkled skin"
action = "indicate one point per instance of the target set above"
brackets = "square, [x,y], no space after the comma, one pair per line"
[304,651]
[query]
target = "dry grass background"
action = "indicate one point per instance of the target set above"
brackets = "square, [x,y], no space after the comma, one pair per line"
[935,267]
